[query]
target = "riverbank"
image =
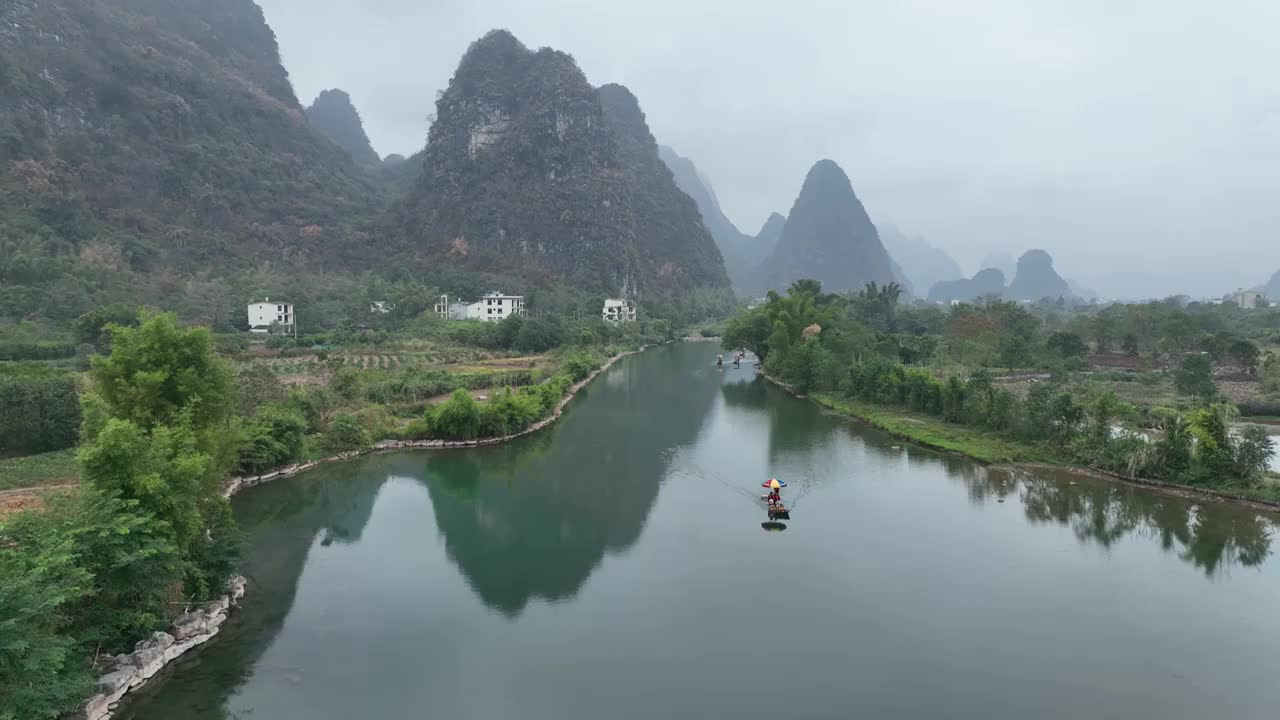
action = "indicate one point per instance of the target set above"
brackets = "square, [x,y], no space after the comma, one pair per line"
[237,484]
[127,673]
[988,449]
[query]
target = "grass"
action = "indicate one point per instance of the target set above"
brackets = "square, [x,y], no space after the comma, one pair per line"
[938,434]
[36,470]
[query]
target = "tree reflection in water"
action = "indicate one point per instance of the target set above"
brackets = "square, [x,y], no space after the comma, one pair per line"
[1210,537]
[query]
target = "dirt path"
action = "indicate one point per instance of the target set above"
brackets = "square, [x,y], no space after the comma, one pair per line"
[12,501]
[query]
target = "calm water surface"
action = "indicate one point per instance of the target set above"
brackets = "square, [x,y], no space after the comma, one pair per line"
[615,566]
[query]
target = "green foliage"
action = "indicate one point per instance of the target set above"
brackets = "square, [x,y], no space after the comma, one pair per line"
[272,438]
[42,469]
[507,413]
[161,470]
[1271,375]
[580,365]
[92,327]
[456,419]
[89,573]
[1195,377]
[38,413]
[19,351]
[538,335]
[861,350]
[159,370]
[345,432]
[43,670]
[1066,345]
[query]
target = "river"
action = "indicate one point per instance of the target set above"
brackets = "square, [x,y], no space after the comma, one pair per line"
[615,566]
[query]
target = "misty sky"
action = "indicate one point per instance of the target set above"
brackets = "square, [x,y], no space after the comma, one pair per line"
[1138,142]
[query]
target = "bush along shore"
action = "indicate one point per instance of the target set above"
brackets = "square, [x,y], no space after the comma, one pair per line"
[237,484]
[989,449]
[842,351]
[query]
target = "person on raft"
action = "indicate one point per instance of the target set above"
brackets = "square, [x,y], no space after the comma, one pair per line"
[775,497]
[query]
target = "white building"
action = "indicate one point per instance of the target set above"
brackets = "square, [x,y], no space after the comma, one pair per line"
[493,307]
[381,306]
[617,310]
[265,315]
[1249,299]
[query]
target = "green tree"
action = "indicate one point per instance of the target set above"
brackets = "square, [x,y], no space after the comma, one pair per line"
[1066,345]
[457,418]
[93,327]
[43,670]
[1244,354]
[163,471]
[158,370]
[748,330]
[272,438]
[1195,377]
[346,432]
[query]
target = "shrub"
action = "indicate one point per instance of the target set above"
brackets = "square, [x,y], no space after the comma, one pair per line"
[507,413]
[36,351]
[580,365]
[345,432]
[38,413]
[458,418]
[272,438]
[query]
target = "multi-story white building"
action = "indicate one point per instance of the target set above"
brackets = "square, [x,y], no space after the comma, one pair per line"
[493,307]
[618,310]
[266,315]
[1249,299]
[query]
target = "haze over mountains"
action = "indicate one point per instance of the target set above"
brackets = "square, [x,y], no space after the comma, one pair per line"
[948,140]
[156,149]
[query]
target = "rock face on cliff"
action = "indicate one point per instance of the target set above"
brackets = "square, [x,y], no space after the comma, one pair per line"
[335,117]
[167,129]
[828,237]
[742,252]
[987,283]
[522,174]
[675,248]
[922,264]
[526,174]
[1036,279]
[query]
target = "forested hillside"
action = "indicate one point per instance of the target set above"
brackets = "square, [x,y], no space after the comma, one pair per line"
[334,115]
[145,144]
[154,152]
[676,250]
[742,253]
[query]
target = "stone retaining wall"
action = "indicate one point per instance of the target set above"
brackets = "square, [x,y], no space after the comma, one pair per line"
[125,673]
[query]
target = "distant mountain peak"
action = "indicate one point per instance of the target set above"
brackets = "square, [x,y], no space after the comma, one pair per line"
[988,282]
[741,252]
[829,237]
[923,264]
[1036,279]
[335,116]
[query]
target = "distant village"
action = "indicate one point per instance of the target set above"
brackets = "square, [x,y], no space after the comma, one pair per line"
[279,317]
